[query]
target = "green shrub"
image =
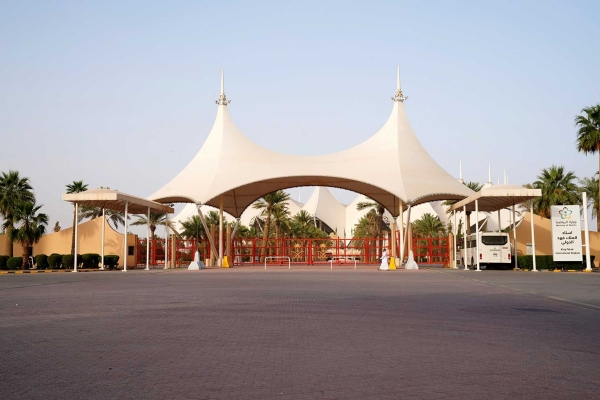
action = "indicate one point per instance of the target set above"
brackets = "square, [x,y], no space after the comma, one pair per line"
[90,260]
[111,260]
[67,261]
[41,261]
[546,262]
[55,260]
[3,260]
[14,263]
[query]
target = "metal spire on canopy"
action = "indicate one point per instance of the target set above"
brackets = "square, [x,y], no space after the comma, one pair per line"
[399,96]
[222,98]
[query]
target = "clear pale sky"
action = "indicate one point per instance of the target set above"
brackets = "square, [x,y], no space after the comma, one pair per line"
[121,94]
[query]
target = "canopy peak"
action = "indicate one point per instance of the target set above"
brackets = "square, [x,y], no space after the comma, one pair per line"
[222,98]
[399,96]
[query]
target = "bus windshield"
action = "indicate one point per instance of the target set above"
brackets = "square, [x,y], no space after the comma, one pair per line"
[494,240]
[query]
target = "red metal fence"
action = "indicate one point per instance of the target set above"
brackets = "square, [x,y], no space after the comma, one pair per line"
[300,251]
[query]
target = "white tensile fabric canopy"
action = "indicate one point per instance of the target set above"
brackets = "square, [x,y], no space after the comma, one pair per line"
[391,167]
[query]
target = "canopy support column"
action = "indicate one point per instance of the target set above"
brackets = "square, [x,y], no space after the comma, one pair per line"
[220,261]
[477,233]
[393,238]
[514,221]
[210,238]
[233,232]
[102,247]
[166,242]
[407,224]
[401,226]
[125,239]
[465,237]
[588,249]
[499,223]
[532,236]
[76,237]
[148,241]
[454,241]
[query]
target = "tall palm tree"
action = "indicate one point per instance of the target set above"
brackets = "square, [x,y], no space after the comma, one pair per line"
[588,134]
[267,203]
[379,209]
[155,220]
[115,217]
[192,228]
[14,190]
[428,226]
[590,187]
[29,226]
[558,188]
[75,187]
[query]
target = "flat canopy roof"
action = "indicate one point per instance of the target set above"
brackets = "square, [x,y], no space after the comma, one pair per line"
[497,197]
[115,200]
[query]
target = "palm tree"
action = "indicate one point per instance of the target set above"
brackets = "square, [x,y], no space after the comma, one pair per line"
[28,227]
[155,220]
[557,188]
[13,190]
[590,187]
[117,218]
[588,134]
[379,209]
[75,187]
[474,186]
[192,228]
[267,203]
[56,227]
[428,226]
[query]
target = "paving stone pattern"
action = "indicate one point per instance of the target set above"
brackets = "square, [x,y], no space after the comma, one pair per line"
[303,334]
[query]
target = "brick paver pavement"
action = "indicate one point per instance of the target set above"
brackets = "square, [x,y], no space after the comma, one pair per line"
[303,334]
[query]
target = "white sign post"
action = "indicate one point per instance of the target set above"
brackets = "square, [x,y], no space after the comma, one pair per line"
[566,233]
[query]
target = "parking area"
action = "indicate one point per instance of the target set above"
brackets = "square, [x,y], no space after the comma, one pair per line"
[246,333]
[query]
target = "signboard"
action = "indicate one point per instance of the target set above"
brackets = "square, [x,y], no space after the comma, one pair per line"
[566,233]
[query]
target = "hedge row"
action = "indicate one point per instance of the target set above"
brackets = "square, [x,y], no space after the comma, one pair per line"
[546,262]
[60,261]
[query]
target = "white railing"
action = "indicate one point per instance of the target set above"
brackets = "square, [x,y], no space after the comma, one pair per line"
[276,257]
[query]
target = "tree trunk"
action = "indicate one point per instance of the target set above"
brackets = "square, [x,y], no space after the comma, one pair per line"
[73,233]
[266,235]
[598,211]
[9,243]
[468,223]
[277,238]
[25,255]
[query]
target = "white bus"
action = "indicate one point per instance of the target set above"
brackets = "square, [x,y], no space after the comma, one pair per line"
[495,250]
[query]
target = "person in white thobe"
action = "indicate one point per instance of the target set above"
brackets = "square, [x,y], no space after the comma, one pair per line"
[384,261]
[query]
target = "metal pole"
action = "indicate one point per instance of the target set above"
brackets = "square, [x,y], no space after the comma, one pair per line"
[405,238]
[220,262]
[588,249]
[166,242]
[76,237]
[148,242]
[514,221]
[125,239]
[401,225]
[455,241]
[532,236]
[499,223]
[103,223]
[465,235]
[477,232]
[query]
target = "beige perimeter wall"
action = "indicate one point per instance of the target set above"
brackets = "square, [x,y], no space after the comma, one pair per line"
[90,241]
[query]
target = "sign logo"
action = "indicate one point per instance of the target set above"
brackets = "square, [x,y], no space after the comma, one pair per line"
[565,213]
